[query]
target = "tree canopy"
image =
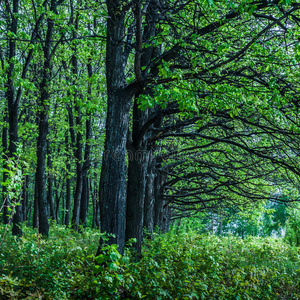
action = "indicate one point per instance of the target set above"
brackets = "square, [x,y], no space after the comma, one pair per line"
[147,110]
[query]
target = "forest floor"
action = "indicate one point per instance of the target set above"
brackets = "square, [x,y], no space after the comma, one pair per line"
[176,265]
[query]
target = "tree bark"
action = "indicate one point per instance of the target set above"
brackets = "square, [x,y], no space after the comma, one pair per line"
[113,174]
[6,200]
[35,221]
[138,157]
[79,147]
[25,198]
[50,184]
[43,127]
[13,108]
[149,196]
[86,165]
[136,197]
[68,182]
[160,207]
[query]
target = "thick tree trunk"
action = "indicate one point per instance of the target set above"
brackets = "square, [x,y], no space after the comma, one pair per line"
[161,213]
[113,174]
[136,197]
[138,152]
[149,196]
[138,156]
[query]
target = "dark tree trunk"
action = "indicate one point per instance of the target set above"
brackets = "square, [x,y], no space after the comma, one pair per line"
[97,213]
[43,127]
[138,157]
[78,147]
[63,209]
[13,109]
[68,182]
[25,198]
[6,200]
[85,188]
[161,213]
[14,98]
[149,195]
[94,201]
[78,190]
[166,218]
[135,198]
[50,184]
[87,151]
[35,221]
[84,202]
[138,152]
[113,174]
[58,196]
[96,206]
[29,212]
[41,168]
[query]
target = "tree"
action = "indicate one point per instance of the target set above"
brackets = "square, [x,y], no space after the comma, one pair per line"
[179,47]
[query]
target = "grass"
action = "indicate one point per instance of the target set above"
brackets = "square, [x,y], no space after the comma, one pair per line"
[182,265]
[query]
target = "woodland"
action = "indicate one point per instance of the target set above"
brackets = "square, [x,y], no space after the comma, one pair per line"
[150,149]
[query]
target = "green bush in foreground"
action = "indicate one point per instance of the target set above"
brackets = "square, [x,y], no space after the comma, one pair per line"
[173,266]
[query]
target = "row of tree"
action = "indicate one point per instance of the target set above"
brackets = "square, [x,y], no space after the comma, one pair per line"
[181,106]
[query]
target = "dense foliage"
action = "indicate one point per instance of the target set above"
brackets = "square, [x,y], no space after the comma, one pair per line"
[181,264]
[130,116]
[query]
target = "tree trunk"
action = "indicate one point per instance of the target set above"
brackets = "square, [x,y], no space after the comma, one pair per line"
[68,182]
[50,184]
[86,165]
[58,196]
[35,221]
[138,152]
[84,202]
[113,174]
[13,108]
[85,188]
[160,211]
[136,197]
[43,127]
[96,207]
[6,200]
[78,194]
[25,198]
[138,157]
[63,209]
[149,195]
[41,170]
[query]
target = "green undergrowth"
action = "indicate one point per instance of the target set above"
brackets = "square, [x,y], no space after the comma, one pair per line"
[182,265]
